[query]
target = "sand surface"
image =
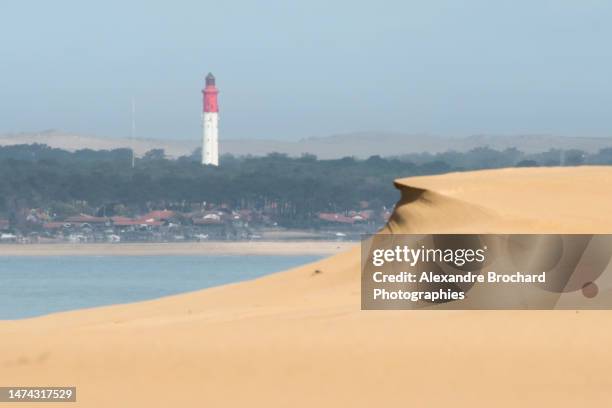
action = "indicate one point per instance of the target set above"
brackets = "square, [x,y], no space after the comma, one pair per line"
[184,248]
[299,338]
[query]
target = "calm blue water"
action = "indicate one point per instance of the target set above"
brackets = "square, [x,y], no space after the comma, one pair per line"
[33,286]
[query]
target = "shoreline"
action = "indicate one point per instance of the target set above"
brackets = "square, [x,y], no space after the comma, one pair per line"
[179,248]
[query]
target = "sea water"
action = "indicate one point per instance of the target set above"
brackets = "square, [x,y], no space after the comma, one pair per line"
[34,286]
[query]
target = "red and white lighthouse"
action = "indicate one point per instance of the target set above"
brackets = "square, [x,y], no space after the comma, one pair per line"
[210,123]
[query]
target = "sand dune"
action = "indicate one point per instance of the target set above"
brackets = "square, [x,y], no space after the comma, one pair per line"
[357,144]
[556,199]
[300,339]
[72,142]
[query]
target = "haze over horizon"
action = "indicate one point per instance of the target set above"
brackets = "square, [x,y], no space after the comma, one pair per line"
[292,71]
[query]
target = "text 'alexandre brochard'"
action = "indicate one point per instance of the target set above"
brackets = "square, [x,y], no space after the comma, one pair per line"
[412,258]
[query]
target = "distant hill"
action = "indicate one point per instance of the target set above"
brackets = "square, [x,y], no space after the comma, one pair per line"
[71,142]
[360,144]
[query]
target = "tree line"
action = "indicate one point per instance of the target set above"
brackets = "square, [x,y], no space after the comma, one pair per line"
[294,189]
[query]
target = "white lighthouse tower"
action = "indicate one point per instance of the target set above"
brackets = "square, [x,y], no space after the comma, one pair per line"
[210,123]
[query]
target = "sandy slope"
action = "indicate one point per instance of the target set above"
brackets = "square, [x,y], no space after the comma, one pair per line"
[299,339]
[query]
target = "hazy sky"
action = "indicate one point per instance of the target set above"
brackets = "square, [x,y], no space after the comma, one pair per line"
[291,69]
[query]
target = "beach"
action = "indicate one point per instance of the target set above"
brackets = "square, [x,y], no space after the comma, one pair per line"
[183,248]
[299,338]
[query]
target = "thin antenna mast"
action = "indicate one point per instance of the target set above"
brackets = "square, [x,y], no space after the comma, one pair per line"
[133,127]
[133,117]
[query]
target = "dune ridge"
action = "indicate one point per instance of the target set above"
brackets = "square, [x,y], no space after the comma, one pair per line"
[358,144]
[299,338]
[421,210]
[545,200]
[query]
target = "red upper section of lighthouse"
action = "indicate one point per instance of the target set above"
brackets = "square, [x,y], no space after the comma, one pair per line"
[210,94]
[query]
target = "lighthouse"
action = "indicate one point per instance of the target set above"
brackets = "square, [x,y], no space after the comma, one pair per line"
[210,123]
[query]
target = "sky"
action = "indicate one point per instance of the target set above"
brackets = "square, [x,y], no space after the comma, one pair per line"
[295,69]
